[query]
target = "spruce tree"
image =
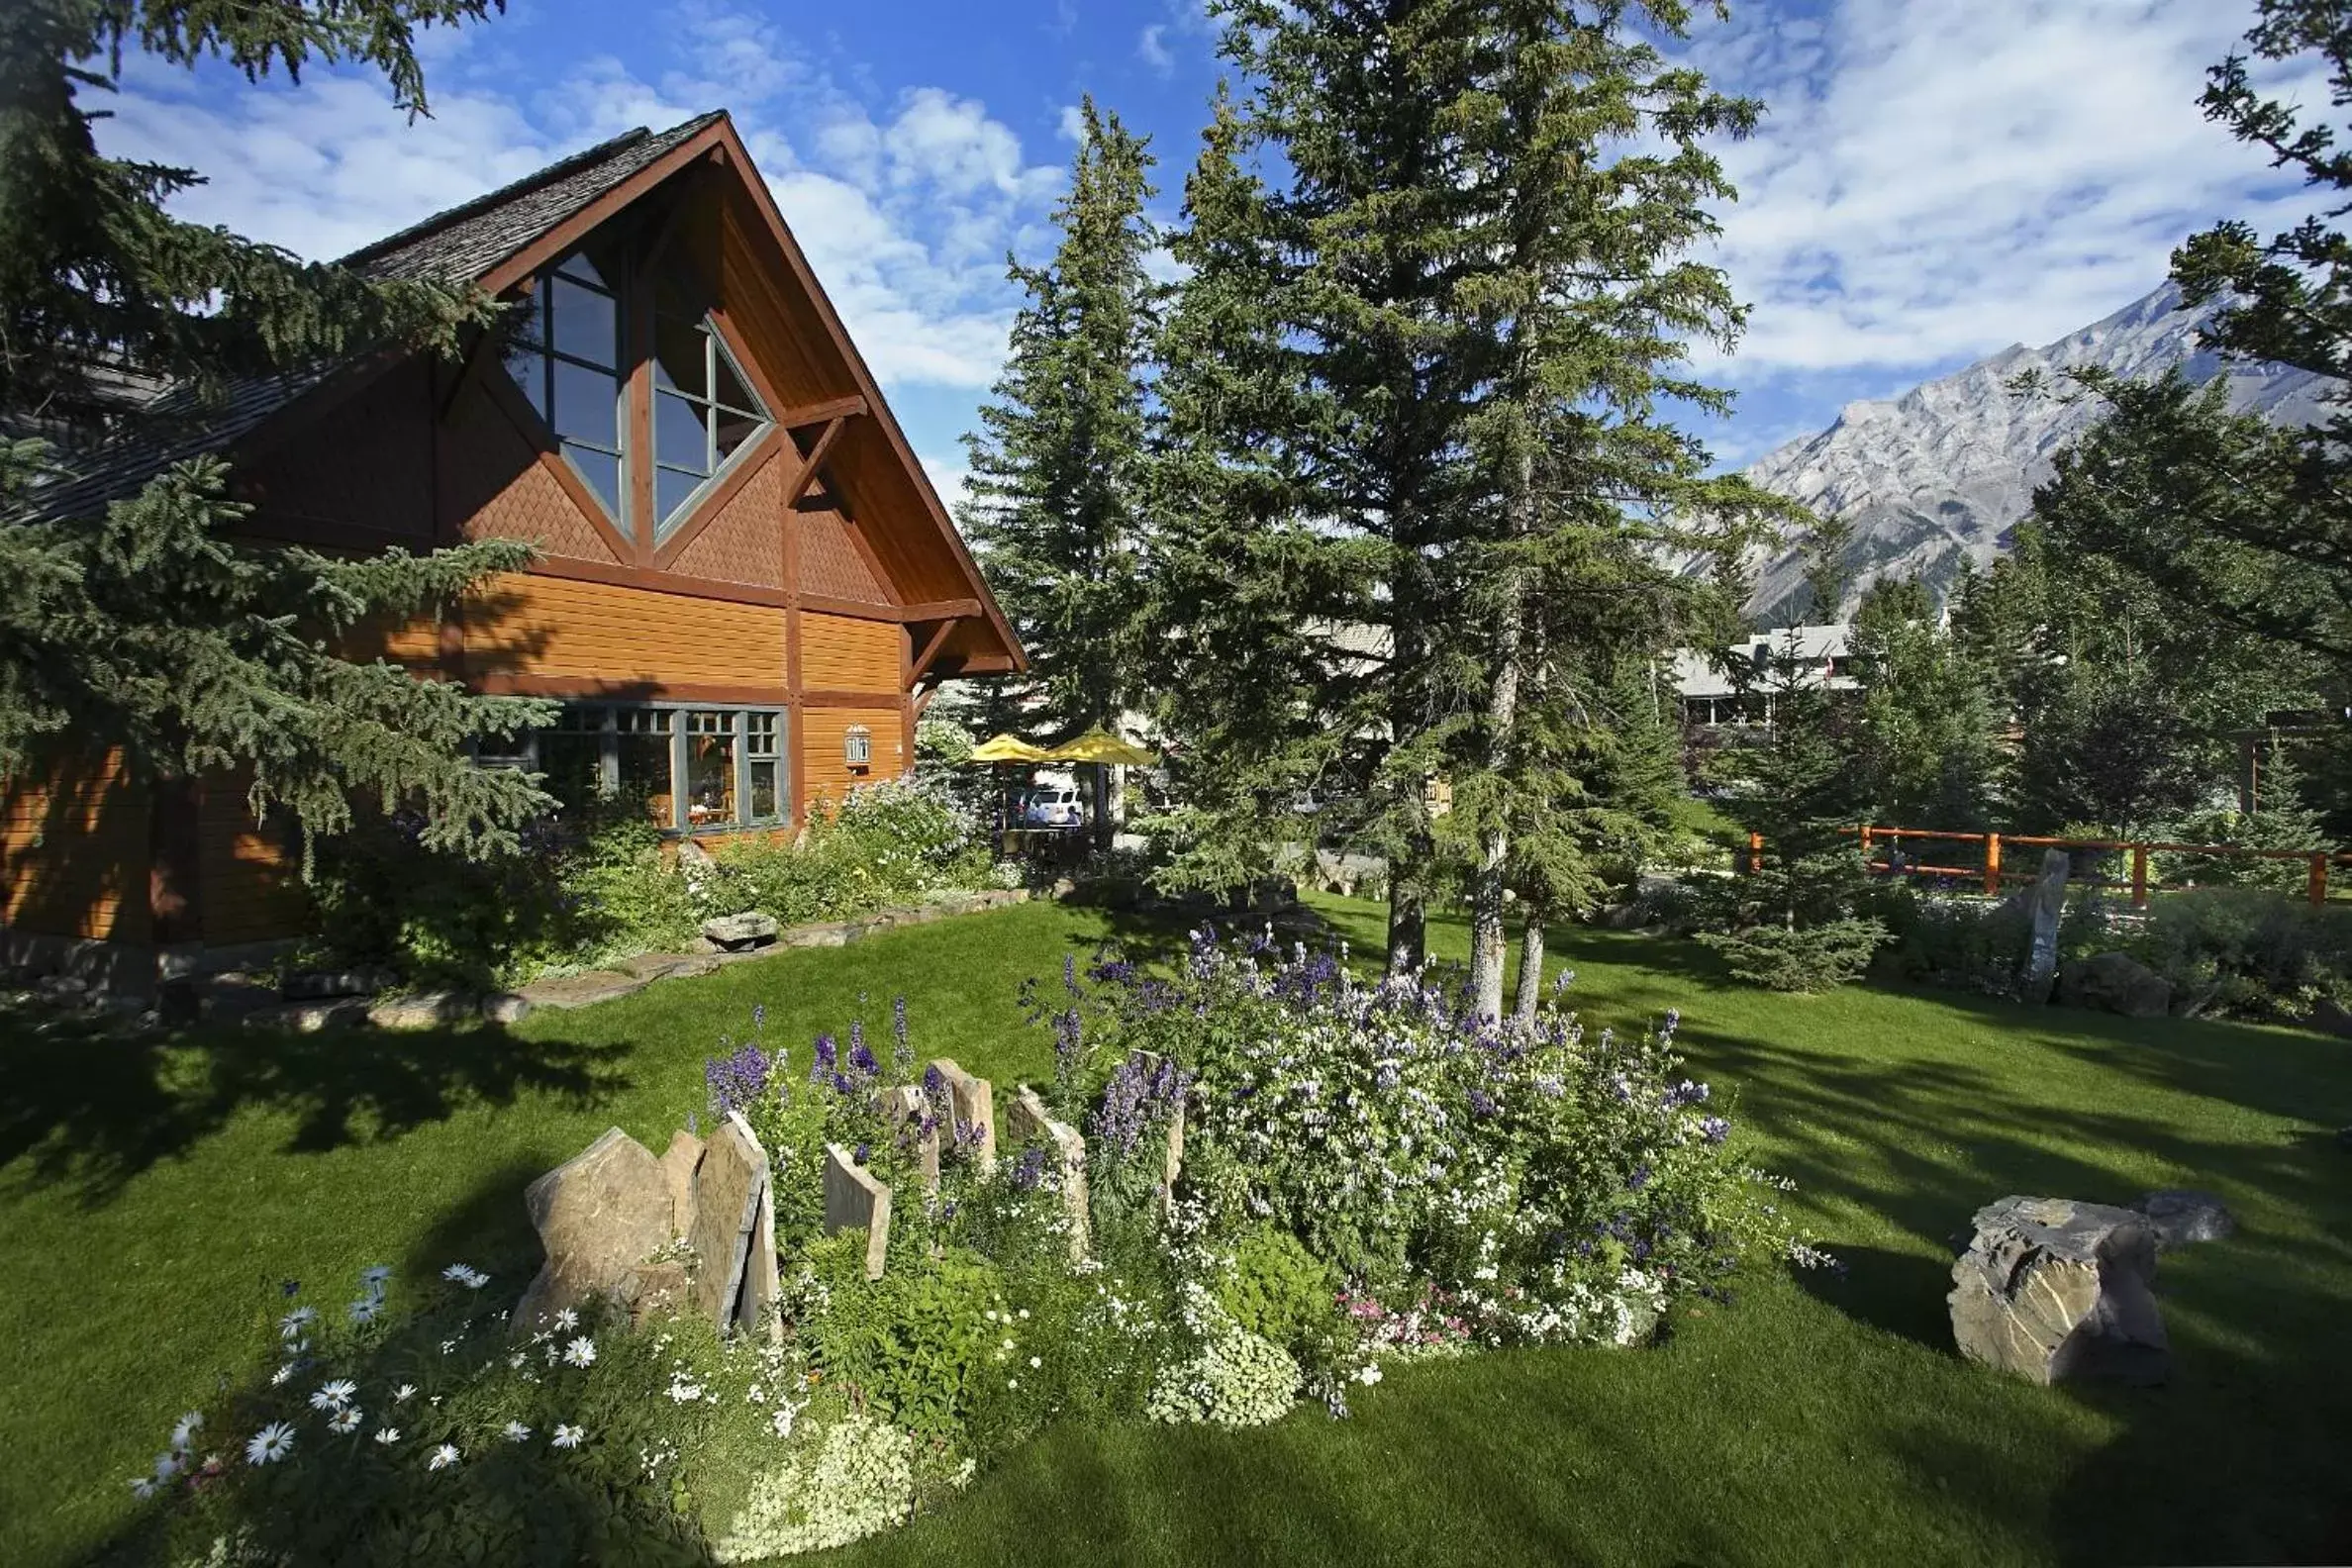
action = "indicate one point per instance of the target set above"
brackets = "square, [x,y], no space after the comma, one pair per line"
[1056,513]
[147,626]
[1926,741]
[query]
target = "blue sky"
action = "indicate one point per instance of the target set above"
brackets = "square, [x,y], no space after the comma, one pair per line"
[1934,179]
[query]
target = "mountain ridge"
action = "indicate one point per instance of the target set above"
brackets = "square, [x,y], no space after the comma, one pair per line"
[1940,475]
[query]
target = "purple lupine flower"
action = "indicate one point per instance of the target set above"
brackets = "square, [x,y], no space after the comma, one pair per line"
[861,1061]
[736,1080]
[843,1086]
[902,1055]
[759,1017]
[1639,1179]
[821,1065]
[1714,1129]
[1070,974]
[862,1153]
[1029,1169]
[1070,1031]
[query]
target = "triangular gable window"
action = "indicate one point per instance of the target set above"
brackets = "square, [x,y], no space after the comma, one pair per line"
[703,410]
[564,352]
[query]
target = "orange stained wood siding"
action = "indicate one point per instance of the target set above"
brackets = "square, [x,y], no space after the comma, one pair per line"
[74,845]
[744,542]
[841,655]
[251,872]
[823,762]
[620,636]
[494,485]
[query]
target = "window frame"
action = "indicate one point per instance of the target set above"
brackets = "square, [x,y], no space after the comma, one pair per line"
[538,313]
[710,406]
[523,752]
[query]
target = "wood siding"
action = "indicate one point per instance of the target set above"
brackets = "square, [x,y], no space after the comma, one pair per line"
[744,542]
[495,484]
[841,655]
[253,873]
[75,853]
[609,637]
[826,772]
[368,466]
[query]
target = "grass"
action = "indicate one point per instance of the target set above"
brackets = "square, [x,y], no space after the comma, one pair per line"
[149,1193]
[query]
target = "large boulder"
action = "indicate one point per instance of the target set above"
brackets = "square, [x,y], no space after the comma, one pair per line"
[598,1216]
[2183,1215]
[2116,983]
[2053,1289]
[736,931]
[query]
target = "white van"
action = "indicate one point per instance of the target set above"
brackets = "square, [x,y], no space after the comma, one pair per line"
[1054,806]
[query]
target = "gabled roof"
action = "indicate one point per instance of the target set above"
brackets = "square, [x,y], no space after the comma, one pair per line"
[492,241]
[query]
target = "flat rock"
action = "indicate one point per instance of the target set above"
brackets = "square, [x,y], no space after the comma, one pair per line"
[679,1163]
[726,1191]
[600,1215]
[734,931]
[506,1006]
[313,985]
[2183,1215]
[823,933]
[1027,1120]
[308,1018]
[582,990]
[424,1010]
[649,967]
[2116,982]
[654,1288]
[2053,1289]
[855,1201]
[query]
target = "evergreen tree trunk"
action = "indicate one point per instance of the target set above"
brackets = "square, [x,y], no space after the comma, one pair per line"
[1530,974]
[1488,939]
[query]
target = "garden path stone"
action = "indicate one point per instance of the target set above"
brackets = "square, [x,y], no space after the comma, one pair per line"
[424,1010]
[972,1101]
[313,985]
[2054,1289]
[662,967]
[582,990]
[727,1192]
[1025,1119]
[734,931]
[505,1007]
[2116,982]
[855,1200]
[2183,1215]
[308,1018]
[679,1163]
[598,1216]
[2045,904]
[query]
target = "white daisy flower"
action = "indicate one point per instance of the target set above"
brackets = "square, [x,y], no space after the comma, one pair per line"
[567,1320]
[581,1351]
[457,1272]
[346,1419]
[403,1393]
[387,1435]
[568,1436]
[1025,1314]
[141,1488]
[442,1457]
[335,1395]
[515,1431]
[292,1325]
[270,1444]
[782,1422]
[281,1374]
[366,1310]
[375,1277]
[184,1433]
[1036,1361]
[167,1465]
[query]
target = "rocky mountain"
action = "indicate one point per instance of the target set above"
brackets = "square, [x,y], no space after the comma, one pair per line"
[1942,473]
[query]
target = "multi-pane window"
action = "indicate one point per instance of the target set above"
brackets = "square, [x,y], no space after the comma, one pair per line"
[564,352]
[691,768]
[704,411]
[762,762]
[857,746]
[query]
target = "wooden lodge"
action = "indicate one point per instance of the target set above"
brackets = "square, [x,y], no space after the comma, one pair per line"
[747,590]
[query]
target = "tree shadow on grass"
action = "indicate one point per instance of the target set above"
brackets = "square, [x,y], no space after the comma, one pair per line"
[1902,1293]
[92,1107]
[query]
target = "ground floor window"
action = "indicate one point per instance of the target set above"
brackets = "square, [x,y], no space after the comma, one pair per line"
[685,767]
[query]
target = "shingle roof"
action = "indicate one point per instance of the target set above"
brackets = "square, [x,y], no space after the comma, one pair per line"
[456,246]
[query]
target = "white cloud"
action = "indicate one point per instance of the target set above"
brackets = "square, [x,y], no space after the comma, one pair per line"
[1933,181]
[1152,49]
[906,219]
[952,476]
[1073,123]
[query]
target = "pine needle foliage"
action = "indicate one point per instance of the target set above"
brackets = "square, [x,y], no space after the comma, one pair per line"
[149,627]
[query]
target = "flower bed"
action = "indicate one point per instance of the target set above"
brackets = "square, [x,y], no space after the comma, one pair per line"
[1366,1175]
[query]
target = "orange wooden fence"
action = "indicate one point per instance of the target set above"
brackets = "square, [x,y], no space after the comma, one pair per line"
[1992,873]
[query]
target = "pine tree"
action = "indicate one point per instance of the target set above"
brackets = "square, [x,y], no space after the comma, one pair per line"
[1056,513]
[1827,576]
[1926,743]
[148,629]
[1481,308]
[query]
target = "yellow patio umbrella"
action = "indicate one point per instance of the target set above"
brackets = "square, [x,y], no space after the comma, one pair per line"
[1007,748]
[1100,746]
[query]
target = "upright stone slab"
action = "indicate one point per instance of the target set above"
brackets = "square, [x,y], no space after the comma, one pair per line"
[973,1102]
[1026,1119]
[855,1200]
[679,1162]
[598,1215]
[755,1303]
[727,1188]
[1173,1162]
[907,1105]
[2048,904]
[2054,1289]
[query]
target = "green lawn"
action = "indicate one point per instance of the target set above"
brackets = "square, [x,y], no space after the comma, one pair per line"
[147,1194]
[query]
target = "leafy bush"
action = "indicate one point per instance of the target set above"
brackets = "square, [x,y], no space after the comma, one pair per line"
[1964,944]
[887,842]
[2247,953]
[1275,1288]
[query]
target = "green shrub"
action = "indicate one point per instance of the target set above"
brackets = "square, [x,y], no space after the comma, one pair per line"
[2247,953]
[888,842]
[1275,1288]
[1968,945]
[1813,957]
[914,1342]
